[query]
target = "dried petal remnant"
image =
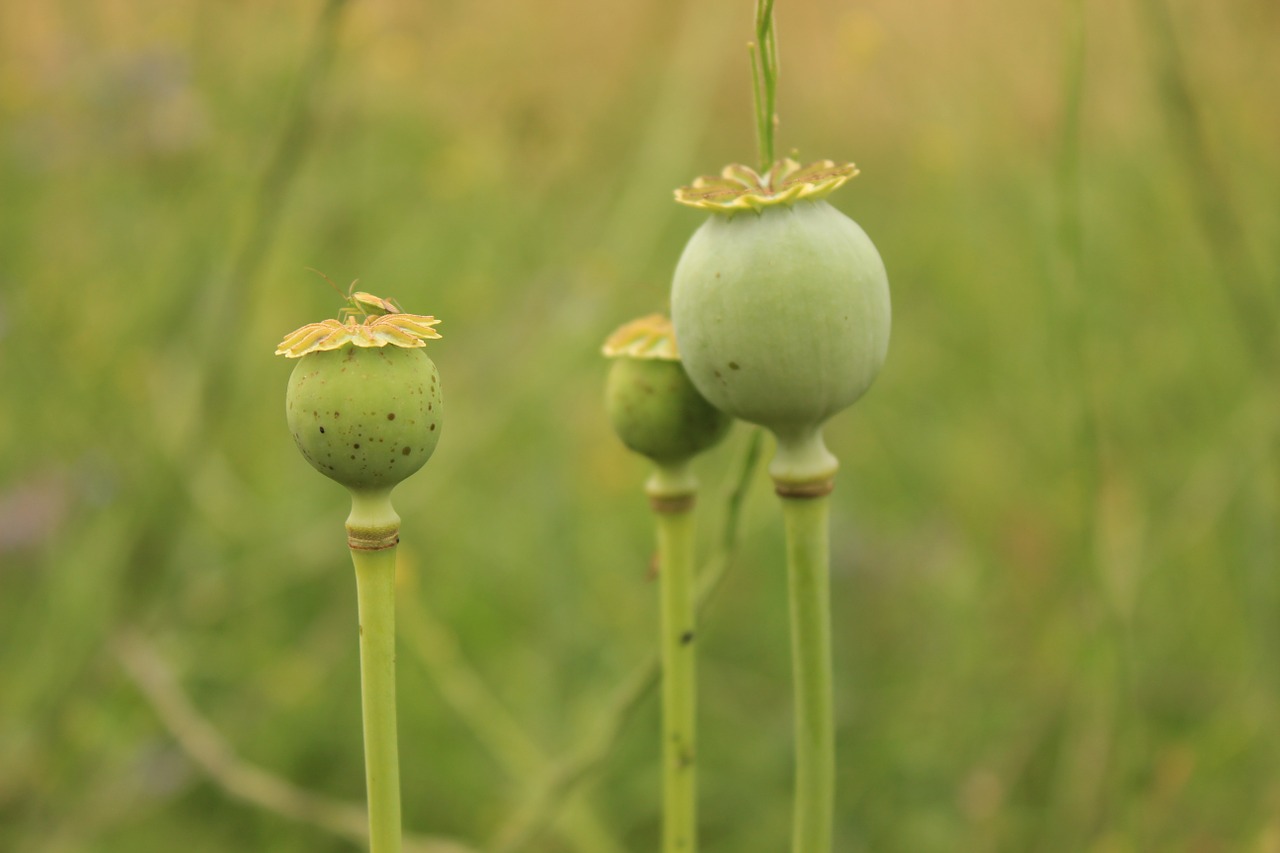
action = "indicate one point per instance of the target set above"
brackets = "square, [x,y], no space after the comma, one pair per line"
[647,337]
[409,331]
[740,187]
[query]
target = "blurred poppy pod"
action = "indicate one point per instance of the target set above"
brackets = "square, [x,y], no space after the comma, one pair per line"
[653,407]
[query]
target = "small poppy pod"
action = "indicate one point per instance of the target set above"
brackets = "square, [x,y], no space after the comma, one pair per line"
[363,403]
[780,301]
[653,407]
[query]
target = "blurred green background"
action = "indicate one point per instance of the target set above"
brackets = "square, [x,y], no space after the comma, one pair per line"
[1056,542]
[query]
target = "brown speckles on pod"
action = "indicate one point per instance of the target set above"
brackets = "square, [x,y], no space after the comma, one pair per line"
[387,398]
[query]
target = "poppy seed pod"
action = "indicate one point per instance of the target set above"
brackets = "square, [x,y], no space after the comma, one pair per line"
[781,305]
[653,407]
[363,403]
[367,418]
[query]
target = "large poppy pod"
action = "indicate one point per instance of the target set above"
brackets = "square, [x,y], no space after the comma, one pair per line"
[781,306]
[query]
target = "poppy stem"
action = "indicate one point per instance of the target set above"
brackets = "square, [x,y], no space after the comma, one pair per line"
[671,494]
[808,571]
[372,532]
[803,473]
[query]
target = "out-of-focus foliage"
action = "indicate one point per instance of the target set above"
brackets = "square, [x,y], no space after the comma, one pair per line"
[1056,547]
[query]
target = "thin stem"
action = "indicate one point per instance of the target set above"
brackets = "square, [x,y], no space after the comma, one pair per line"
[808,570]
[295,141]
[376,592]
[763,137]
[764,81]
[210,752]
[1250,290]
[475,704]
[545,798]
[679,683]
[153,541]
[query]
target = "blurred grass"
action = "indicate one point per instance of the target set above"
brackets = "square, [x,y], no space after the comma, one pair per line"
[1056,528]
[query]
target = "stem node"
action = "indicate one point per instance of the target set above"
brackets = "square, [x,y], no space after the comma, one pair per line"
[814,489]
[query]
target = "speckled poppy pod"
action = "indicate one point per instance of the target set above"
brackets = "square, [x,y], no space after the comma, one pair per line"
[781,307]
[364,402]
[653,407]
[364,407]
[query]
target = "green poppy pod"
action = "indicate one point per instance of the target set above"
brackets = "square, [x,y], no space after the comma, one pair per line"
[367,418]
[363,403]
[653,407]
[781,305]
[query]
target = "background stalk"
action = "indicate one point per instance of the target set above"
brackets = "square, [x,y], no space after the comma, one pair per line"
[808,572]
[674,517]
[375,591]
[764,81]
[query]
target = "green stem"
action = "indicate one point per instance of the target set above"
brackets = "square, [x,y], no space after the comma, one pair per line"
[376,590]
[594,748]
[679,687]
[764,81]
[808,571]
[372,531]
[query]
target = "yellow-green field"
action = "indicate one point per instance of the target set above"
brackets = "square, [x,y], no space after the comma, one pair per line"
[1056,532]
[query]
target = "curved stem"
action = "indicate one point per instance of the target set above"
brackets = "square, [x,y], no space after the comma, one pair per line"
[808,572]
[679,683]
[376,593]
[547,796]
